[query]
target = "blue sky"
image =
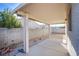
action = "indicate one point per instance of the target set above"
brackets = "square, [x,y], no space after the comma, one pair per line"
[8,5]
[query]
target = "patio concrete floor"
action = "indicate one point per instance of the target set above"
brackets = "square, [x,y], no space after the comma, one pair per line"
[45,48]
[48,47]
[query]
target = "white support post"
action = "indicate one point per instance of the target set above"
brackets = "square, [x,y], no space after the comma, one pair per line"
[65,28]
[65,37]
[26,35]
[66,33]
[49,33]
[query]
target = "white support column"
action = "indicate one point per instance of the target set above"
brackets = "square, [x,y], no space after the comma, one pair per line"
[26,35]
[66,28]
[49,33]
[65,37]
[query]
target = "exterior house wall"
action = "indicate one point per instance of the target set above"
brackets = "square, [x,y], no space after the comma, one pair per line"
[73,36]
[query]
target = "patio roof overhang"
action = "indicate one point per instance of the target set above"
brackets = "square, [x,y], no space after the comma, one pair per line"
[43,12]
[49,13]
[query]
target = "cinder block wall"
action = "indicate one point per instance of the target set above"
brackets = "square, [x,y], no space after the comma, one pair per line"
[10,36]
[16,35]
[36,33]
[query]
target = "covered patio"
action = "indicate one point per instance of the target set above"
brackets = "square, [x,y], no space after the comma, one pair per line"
[49,14]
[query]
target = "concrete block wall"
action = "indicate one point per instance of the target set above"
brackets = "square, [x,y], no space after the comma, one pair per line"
[16,35]
[10,36]
[36,33]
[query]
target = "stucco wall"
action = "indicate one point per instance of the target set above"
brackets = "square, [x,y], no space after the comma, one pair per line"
[74,34]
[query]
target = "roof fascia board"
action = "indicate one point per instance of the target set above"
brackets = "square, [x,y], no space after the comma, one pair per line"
[18,7]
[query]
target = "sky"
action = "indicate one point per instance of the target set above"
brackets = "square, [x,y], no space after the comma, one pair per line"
[10,6]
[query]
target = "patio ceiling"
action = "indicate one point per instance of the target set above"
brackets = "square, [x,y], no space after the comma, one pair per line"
[49,13]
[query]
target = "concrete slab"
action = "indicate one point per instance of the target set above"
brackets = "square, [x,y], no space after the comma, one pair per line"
[48,48]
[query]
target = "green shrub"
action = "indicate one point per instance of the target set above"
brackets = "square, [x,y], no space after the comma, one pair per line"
[8,20]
